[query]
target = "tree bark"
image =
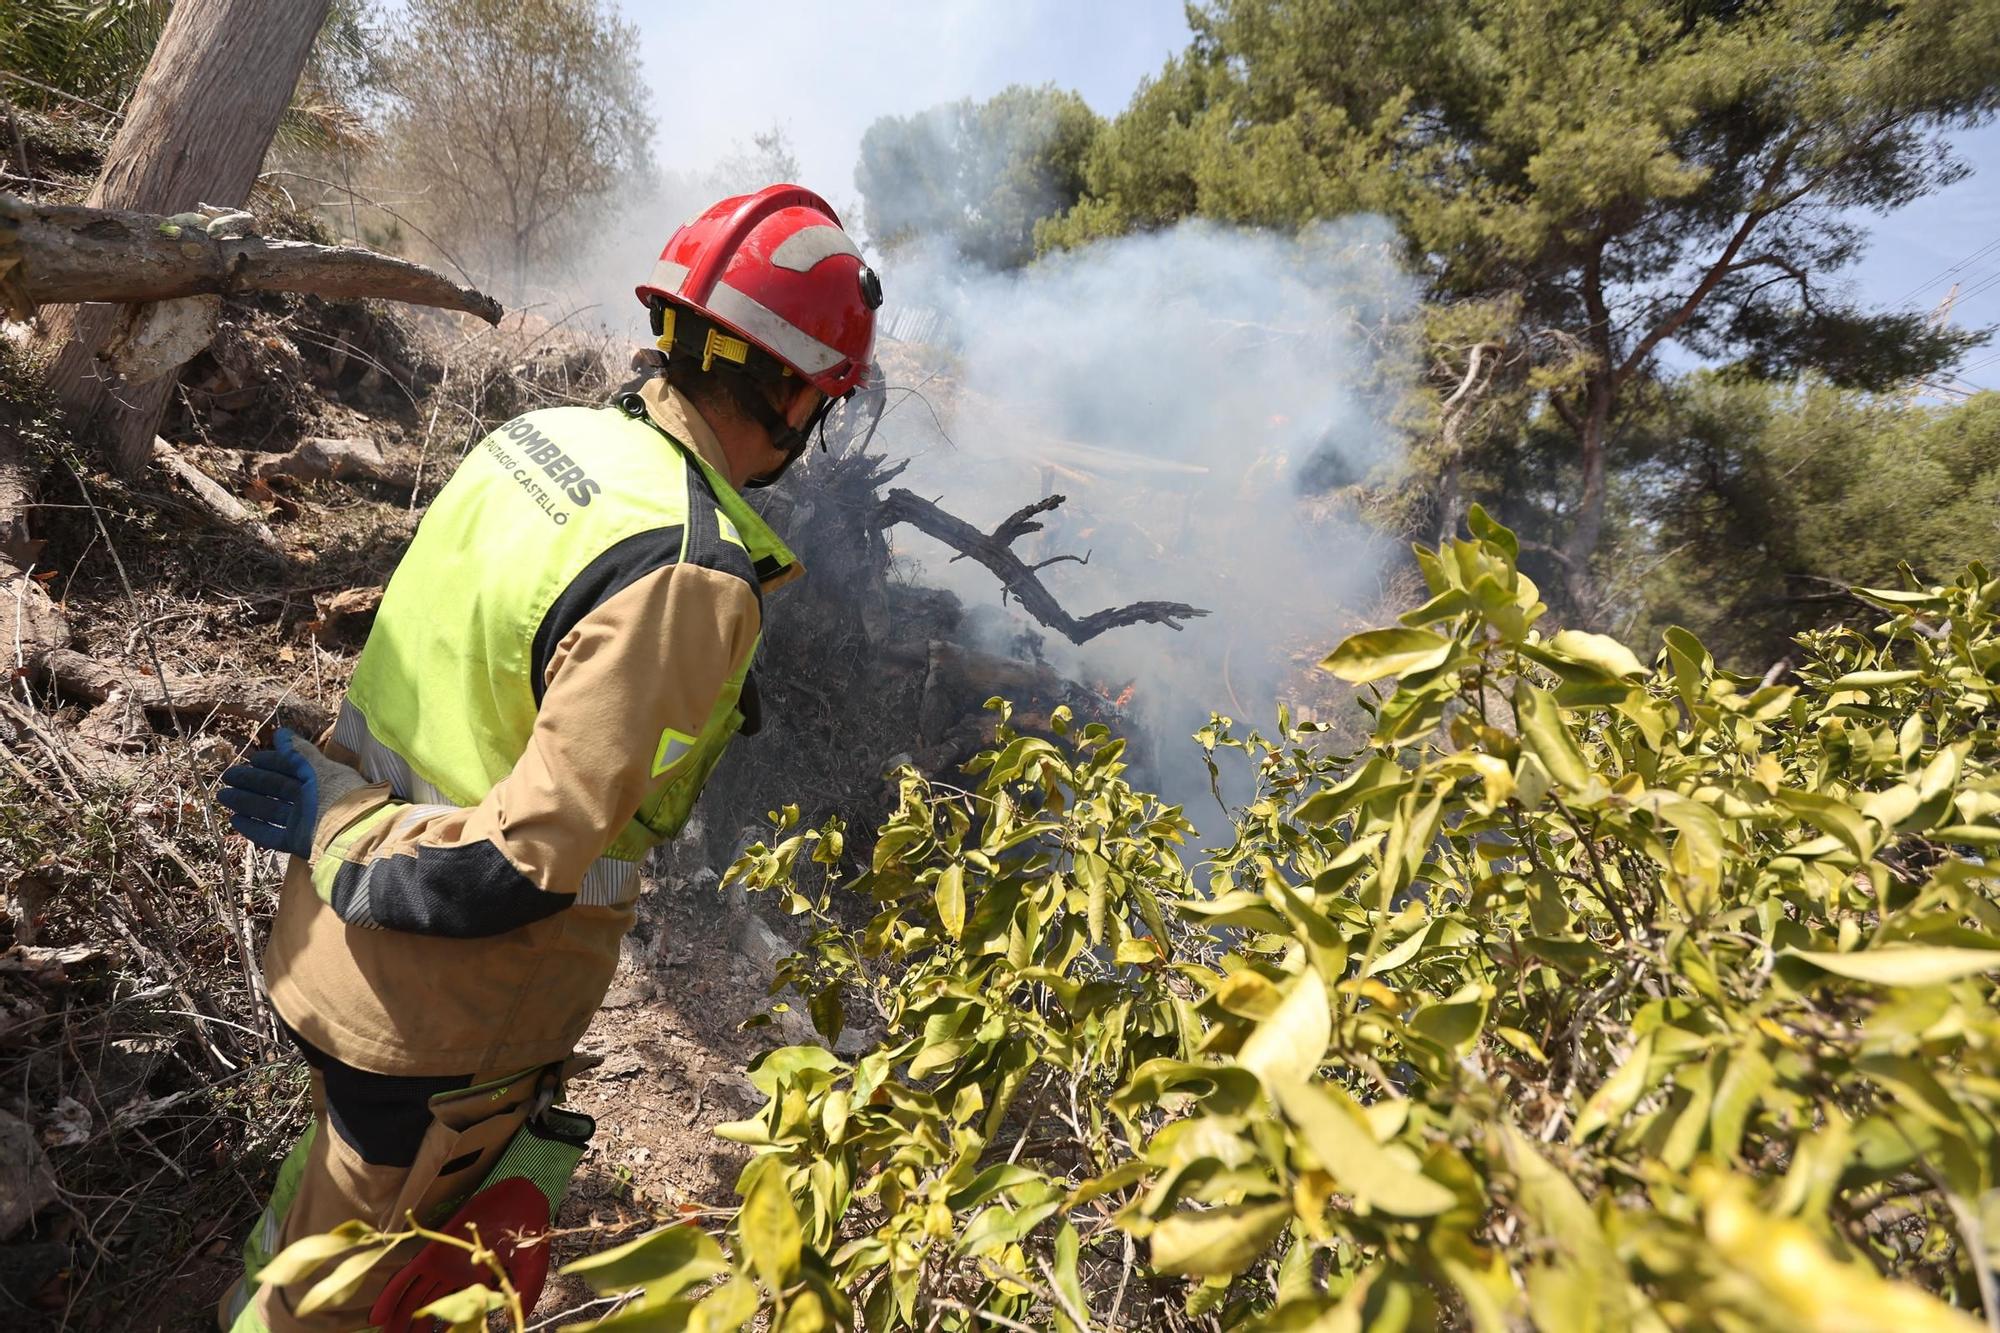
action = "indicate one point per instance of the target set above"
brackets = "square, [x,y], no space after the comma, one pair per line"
[195,131]
[68,253]
[1588,530]
[1600,393]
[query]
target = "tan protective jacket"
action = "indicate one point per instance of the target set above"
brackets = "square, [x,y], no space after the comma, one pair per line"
[464,912]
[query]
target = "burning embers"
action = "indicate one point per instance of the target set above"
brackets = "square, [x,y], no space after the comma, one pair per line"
[1118,696]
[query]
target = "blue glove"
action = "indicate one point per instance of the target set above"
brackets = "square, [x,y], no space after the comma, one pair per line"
[275,799]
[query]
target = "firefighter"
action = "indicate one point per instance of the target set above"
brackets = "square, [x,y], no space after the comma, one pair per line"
[558,663]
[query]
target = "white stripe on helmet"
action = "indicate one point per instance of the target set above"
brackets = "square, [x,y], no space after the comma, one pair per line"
[792,344]
[668,276]
[807,246]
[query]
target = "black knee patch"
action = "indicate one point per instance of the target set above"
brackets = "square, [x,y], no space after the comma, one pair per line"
[382,1117]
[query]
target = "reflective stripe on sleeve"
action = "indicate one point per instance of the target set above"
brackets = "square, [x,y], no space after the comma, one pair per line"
[379,763]
[609,883]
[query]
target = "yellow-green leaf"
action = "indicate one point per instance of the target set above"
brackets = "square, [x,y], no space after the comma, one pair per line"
[1453,1025]
[1217,1240]
[1898,599]
[1593,1282]
[769,1224]
[1377,653]
[937,1055]
[1067,1282]
[1601,651]
[304,1255]
[1239,907]
[1834,817]
[1868,680]
[1697,853]
[1093,872]
[1543,729]
[1403,952]
[1749,1074]
[726,1309]
[342,1282]
[1619,1093]
[1289,1044]
[950,900]
[1903,964]
[1349,1153]
[806,1312]
[1248,994]
[1694,1094]
[465,1311]
[663,1261]
[1138,949]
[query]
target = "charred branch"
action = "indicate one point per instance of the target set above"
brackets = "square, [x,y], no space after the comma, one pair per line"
[1016,577]
[68,254]
[1021,522]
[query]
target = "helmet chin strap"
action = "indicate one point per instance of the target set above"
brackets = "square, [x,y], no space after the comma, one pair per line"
[695,335]
[788,439]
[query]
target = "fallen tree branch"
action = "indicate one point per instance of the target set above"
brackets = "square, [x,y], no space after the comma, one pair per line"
[183,696]
[214,498]
[66,253]
[992,551]
[31,624]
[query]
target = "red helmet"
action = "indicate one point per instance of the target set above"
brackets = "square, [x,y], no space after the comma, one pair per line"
[776,269]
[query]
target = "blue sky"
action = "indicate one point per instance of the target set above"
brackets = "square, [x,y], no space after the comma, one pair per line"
[825,71]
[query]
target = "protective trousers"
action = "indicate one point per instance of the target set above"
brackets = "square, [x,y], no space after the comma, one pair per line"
[378,1147]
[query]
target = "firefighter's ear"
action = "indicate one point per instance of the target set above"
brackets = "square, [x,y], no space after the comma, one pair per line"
[803,404]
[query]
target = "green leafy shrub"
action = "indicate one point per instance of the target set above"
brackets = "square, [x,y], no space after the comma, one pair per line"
[1589,995]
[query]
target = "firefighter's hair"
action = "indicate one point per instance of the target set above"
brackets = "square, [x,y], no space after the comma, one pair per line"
[717,383]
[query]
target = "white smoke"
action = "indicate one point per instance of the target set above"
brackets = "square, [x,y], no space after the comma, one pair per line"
[591,283]
[1193,392]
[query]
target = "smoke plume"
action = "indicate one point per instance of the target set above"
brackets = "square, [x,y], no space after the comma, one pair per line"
[1201,396]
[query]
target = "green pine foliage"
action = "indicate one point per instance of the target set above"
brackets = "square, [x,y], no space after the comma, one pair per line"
[1754,506]
[1579,186]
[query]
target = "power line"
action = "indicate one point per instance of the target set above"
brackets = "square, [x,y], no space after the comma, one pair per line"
[1981,286]
[1933,280]
[1963,371]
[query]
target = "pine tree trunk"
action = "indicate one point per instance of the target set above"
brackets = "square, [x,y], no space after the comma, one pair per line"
[1589,527]
[195,132]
